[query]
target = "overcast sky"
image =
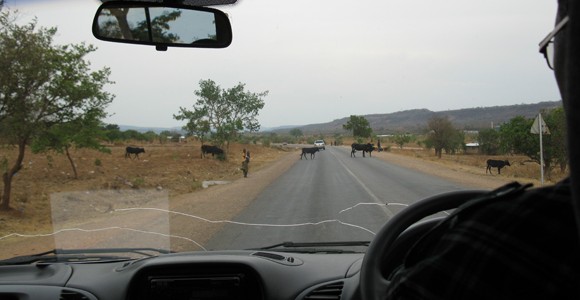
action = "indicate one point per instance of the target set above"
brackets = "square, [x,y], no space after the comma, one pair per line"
[324,60]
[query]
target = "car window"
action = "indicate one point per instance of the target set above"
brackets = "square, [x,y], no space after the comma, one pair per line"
[190,149]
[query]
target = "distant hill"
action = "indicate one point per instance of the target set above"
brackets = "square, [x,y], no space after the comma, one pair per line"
[415,120]
[157,130]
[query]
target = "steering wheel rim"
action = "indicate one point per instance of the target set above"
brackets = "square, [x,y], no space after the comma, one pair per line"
[373,285]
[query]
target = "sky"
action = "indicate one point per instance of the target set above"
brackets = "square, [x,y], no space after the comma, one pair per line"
[324,60]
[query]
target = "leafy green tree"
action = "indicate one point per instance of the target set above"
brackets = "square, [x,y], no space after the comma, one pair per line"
[131,134]
[456,142]
[489,141]
[517,139]
[42,85]
[112,127]
[112,132]
[359,126]
[83,132]
[224,111]
[164,136]
[556,122]
[401,139]
[198,125]
[443,136]
[149,136]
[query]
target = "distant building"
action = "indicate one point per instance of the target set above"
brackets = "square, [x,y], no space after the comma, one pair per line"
[472,148]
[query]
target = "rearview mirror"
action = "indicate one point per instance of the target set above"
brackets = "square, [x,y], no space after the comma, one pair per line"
[162,25]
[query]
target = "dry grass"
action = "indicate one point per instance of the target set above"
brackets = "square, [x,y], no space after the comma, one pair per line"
[521,169]
[176,168]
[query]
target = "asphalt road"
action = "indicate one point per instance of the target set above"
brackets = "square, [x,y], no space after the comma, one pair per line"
[332,197]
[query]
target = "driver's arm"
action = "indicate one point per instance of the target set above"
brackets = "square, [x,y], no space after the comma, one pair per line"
[510,248]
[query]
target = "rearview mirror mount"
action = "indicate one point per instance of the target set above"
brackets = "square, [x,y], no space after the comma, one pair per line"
[162,25]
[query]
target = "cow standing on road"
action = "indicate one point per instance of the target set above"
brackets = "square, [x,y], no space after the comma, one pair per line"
[361,147]
[311,151]
[492,163]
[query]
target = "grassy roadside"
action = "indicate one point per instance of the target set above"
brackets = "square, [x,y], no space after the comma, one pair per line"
[176,168]
[469,169]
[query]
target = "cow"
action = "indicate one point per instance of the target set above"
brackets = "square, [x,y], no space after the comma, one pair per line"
[492,163]
[311,151]
[133,150]
[214,150]
[361,147]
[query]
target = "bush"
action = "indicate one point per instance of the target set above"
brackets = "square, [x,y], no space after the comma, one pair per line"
[221,157]
[138,182]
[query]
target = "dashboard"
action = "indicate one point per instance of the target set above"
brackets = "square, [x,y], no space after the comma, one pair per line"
[212,275]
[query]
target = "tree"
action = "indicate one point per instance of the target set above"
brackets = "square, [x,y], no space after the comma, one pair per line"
[112,132]
[516,138]
[131,134]
[556,122]
[42,86]
[83,132]
[489,141]
[443,136]
[401,139]
[225,112]
[456,142]
[198,125]
[149,136]
[359,125]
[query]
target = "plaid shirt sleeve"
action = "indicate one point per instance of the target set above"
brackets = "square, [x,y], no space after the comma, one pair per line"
[522,247]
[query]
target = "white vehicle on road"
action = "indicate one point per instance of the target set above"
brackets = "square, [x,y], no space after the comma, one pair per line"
[320,144]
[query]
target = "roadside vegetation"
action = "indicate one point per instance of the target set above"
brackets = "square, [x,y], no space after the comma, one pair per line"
[173,167]
[442,141]
[47,93]
[53,104]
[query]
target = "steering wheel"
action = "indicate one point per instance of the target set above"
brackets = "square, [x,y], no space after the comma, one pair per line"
[373,285]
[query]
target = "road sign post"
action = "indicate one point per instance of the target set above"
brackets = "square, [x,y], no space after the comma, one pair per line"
[540,127]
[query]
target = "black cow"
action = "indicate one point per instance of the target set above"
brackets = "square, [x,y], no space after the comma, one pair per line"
[361,147]
[311,150]
[133,150]
[492,163]
[214,150]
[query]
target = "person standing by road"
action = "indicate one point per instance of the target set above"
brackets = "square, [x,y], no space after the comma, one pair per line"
[245,162]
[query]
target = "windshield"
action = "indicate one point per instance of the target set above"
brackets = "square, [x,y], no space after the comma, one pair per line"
[122,146]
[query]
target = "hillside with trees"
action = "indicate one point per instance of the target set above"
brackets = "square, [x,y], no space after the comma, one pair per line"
[414,121]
